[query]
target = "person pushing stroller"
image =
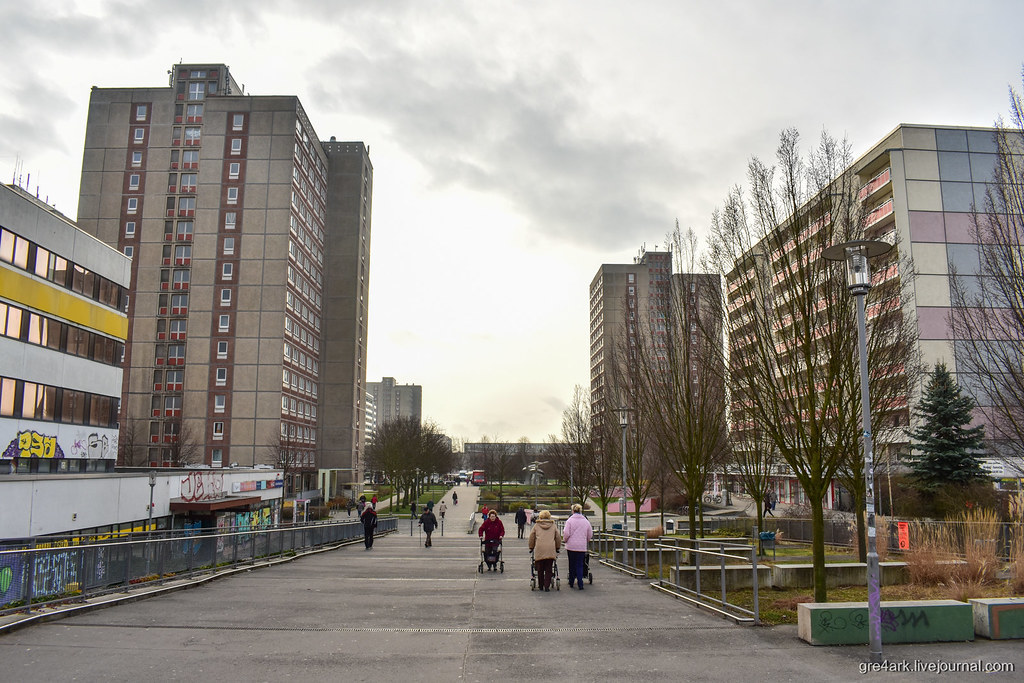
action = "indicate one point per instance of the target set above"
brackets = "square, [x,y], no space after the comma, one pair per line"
[491,532]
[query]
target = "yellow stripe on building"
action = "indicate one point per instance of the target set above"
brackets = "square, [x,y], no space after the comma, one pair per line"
[61,303]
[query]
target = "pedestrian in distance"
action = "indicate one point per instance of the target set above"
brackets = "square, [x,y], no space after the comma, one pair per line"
[429,522]
[483,513]
[349,507]
[577,534]
[545,542]
[773,498]
[768,503]
[369,520]
[441,509]
[521,520]
[374,501]
[455,498]
[491,531]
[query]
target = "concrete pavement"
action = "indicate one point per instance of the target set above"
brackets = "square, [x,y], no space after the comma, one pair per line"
[402,612]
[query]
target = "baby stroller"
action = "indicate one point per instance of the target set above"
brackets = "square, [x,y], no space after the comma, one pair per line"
[490,554]
[554,574]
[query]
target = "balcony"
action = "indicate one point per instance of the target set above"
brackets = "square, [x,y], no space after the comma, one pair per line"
[879,214]
[875,184]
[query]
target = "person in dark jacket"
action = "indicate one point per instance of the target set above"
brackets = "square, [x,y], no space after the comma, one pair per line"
[521,521]
[429,522]
[369,520]
[491,531]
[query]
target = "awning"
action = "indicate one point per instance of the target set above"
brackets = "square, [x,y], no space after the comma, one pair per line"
[228,503]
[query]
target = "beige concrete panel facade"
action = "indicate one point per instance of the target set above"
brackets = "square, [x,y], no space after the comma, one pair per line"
[258,147]
[936,351]
[932,290]
[918,138]
[930,258]
[256,171]
[260,123]
[921,165]
[924,195]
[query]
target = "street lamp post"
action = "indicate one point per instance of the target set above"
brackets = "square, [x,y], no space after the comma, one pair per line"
[624,423]
[856,255]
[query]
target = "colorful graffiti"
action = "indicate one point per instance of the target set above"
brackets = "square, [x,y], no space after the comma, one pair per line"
[32,444]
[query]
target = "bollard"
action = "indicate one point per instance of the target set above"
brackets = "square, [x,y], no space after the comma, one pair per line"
[721,549]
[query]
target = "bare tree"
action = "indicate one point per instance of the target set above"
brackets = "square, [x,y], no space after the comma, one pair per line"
[571,456]
[132,444]
[185,448]
[987,315]
[790,318]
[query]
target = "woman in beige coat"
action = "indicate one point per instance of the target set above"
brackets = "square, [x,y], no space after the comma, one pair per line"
[545,542]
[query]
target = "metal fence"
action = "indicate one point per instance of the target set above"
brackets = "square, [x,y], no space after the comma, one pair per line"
[843,531]
[33,576]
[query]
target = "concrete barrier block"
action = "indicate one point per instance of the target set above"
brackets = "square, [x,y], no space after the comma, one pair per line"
[998,618]
[903,621]
[836,574]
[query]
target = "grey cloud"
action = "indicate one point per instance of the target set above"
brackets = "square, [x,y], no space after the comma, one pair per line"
[576,174]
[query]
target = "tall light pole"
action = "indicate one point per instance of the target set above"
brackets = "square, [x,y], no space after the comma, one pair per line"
[624,423]
[856,255]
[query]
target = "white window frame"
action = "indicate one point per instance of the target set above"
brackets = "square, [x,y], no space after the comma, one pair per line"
[140,135]
[129,251]
[227,271]
[236,145]
[133,181]
[225,297]
[230,220]
[224,323]
[133,205]
[129,229]
[232,195]
[140,112]
[237,121]
[136,159]
[234,169]
[229,246]
[222,349]
[220,403]
[218,430]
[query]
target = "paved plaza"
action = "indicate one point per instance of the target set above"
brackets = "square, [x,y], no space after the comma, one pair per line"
[402,612]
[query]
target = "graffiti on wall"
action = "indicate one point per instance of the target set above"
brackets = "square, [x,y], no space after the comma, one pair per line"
[202,486]
[32,444]
[94,446]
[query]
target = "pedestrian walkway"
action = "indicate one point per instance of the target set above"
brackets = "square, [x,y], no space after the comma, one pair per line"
[402,612]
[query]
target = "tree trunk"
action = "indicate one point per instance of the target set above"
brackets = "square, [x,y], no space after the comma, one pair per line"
[818,550]
[862,534]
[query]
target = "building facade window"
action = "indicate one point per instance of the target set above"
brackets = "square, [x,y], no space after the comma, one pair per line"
[227,271]
[224,323]
[136,158]
[233,170]
[133,204]
[236,145]
[139,135]
[230,219]
[140,112]
[232,195]
[133,181]
[219,403]
[129,229]
[218,430]
[222,350]
[237,121]
[225,297]
[222,376]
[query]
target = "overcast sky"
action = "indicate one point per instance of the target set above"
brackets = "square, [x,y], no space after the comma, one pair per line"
[517,146]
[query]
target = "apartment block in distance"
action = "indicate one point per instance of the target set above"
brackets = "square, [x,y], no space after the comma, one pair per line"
[621,296]
[396,400]
[250,241]
[62,337]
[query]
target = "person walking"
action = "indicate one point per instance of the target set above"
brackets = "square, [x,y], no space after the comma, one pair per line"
[483,514]
[521,520]
[491,531]
[429,522]
[545,542]
[455,498]
[369,520]
[441,509]
[576,535]
[768,503]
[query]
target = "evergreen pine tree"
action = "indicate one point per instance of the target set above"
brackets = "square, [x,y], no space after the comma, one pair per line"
[948,450]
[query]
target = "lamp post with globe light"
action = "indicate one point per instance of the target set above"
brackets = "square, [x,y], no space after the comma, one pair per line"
[856,255]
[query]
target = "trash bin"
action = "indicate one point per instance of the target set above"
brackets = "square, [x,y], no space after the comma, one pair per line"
[670,526]
[767,542]
[616,527]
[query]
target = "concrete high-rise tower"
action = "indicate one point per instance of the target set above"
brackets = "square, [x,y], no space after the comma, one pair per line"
[250,241]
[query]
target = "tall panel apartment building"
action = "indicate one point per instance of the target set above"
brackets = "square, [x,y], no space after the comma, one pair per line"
[395,400]
[250,241]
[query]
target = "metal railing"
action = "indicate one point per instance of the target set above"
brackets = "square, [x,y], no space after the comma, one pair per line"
[727,550]
[634,553]
[34,576]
